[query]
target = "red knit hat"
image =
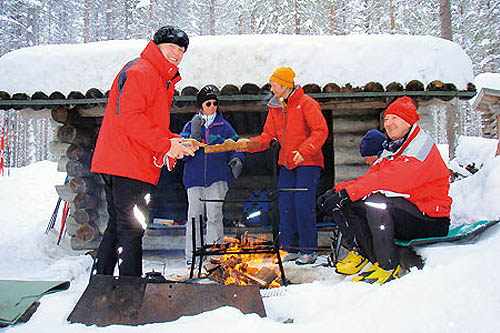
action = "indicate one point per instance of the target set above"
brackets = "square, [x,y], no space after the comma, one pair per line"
[404,108]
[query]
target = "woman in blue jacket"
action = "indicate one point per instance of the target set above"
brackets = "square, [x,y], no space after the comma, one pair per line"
[208,176]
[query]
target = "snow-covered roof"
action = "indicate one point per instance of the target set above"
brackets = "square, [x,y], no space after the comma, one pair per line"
[239,59]
[489,81]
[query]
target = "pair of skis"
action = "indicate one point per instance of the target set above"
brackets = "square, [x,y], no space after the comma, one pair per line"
[53,217]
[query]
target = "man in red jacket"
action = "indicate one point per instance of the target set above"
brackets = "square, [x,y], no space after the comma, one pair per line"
[403,195]
[296,120]
[134,143]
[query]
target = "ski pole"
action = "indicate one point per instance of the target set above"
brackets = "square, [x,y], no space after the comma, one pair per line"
[53,217]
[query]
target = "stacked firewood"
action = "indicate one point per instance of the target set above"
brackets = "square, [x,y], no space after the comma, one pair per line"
[74,143]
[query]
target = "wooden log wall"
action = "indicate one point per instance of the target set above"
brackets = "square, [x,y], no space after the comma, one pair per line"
[74,142]
[349,126]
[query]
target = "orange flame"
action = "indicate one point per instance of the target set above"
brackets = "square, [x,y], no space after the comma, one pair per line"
[244,269]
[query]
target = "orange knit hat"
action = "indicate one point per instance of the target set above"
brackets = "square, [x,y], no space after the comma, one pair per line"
[283,76]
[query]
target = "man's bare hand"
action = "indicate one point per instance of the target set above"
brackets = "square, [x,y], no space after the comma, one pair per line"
[194,143]
[178,149]
[297,157]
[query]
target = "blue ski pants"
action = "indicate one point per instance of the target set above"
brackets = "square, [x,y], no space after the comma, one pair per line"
[297,210]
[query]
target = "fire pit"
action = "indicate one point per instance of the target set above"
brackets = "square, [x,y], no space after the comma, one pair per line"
[244,262]
[240,261]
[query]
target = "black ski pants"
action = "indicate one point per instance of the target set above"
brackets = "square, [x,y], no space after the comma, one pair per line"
[122,239]
[377,220]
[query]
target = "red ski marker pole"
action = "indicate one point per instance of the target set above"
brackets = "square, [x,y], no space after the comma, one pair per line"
[63,221]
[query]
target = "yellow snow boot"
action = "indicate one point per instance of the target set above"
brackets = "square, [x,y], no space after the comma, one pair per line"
[377,274]
[362,275]
[351,264]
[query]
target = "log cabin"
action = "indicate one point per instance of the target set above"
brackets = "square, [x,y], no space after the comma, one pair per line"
[350,109]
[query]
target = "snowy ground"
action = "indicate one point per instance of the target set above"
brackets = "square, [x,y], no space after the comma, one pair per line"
[457,291]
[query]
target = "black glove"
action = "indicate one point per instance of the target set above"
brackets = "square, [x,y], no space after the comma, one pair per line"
[196,124]
[320,202]
[331,201]
[236,166]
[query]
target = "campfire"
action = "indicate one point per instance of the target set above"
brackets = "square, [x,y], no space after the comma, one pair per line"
[244,262]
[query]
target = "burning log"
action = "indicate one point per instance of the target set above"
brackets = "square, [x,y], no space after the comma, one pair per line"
[245,262]
[235,271]
[268,275]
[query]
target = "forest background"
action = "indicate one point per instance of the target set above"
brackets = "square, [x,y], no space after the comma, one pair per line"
[473,24]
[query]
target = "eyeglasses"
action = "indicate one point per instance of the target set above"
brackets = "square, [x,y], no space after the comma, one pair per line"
[209,104]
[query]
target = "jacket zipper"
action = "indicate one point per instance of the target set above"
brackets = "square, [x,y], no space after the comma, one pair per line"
[283,136]
[205,157]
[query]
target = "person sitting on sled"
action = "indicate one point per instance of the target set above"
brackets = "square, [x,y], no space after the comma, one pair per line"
[403,195]
[370,148]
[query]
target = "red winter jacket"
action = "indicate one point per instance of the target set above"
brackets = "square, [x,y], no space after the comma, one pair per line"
[416,170]
[298,127]
[135,129]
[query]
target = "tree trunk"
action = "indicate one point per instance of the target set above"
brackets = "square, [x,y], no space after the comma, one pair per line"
[86,22]
[172,10]
[128,19]
[33,25]
[212,17]
[109,29]
[297,18]
[332,19]
[445,19]
[240,19]
[393,21]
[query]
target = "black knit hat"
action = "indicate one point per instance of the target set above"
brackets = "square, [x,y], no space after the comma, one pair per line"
[170,34]
[206,93]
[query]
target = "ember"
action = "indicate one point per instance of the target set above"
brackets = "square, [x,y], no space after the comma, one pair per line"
[245,262]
